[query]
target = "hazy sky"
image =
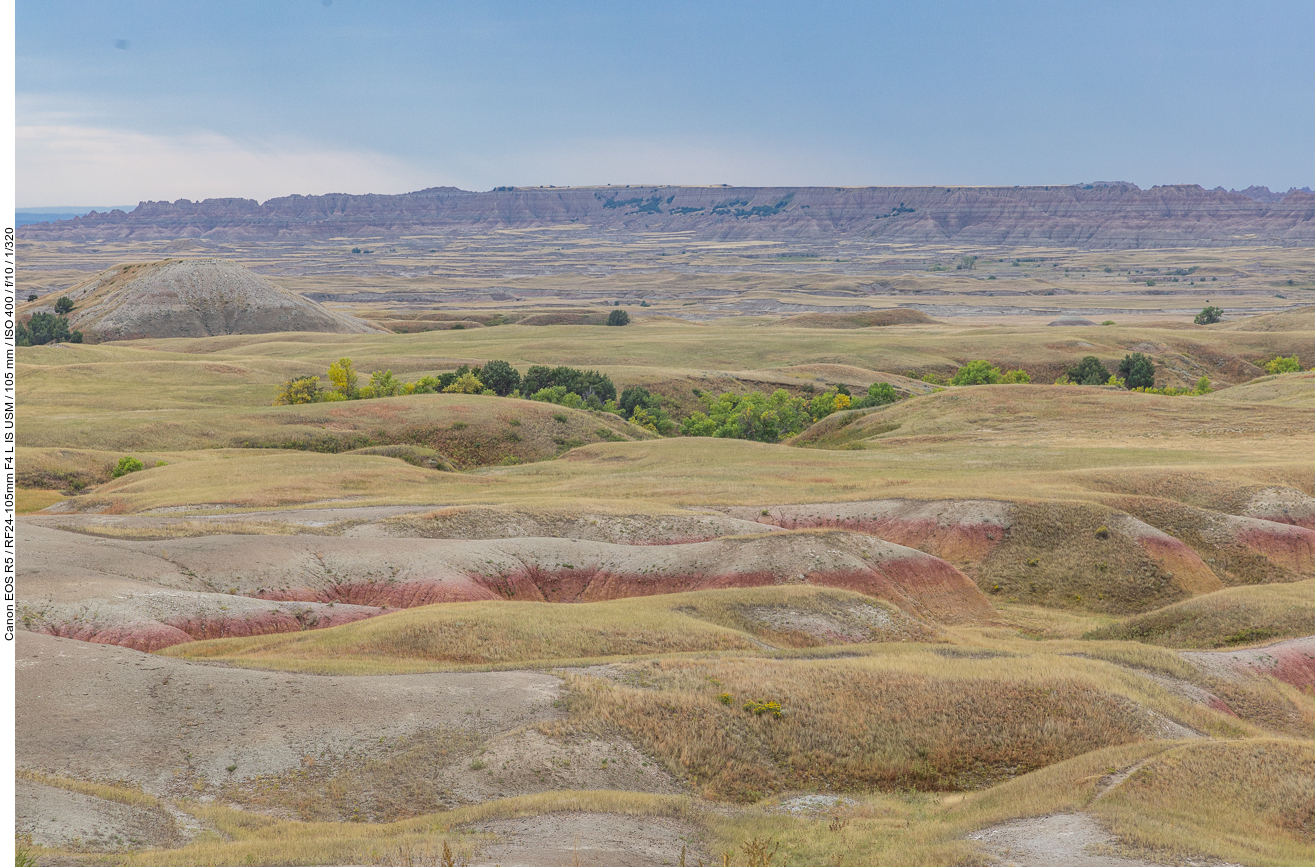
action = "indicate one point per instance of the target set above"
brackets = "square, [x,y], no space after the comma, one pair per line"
[124,100]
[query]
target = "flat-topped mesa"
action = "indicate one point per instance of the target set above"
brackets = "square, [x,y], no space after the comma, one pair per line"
[1092,216]
[190,298]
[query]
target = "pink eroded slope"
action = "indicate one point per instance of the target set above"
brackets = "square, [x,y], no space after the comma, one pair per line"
[917,582]
[1291,661]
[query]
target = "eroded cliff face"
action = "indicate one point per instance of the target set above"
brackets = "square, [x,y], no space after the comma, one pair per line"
[1109,216]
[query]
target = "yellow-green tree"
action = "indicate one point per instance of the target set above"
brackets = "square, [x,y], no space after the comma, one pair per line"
[344,378]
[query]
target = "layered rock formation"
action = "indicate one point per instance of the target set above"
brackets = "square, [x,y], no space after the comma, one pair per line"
[1106,216]
[191,298]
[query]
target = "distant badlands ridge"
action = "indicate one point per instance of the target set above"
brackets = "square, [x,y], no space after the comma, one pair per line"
[1087,216]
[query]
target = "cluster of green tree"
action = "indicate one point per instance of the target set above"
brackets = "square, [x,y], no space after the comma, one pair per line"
[752,416]
[1209,316]
[43,328]
[1136,373]
[565,386]
[767,418]
[1283,365]
[772,418]
[589,385]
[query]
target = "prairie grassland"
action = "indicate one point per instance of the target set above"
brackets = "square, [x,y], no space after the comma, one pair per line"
[674,472]
[1234,617]
[905,717]
[469,431]
[243,370]
[502,634]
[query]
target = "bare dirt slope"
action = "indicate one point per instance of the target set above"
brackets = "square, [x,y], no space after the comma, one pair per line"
[1061,840]
[98,712]
[192,298]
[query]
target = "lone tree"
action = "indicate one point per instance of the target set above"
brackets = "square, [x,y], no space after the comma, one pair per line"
[618,317]
[64,306]
[1137,371]
[1209,316]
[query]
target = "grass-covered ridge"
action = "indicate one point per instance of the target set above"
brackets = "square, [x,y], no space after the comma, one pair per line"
[483,634]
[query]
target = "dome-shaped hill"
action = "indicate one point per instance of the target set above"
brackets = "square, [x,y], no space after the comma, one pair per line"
[191,298]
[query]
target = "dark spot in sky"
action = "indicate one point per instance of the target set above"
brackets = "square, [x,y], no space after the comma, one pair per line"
[121,43]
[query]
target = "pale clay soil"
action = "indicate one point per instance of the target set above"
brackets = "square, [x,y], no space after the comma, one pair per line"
[1059,840]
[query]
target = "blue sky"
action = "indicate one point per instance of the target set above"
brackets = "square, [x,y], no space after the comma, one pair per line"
[124,100]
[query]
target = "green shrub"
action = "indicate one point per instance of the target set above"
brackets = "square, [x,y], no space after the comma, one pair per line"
[1202,387]
[759,708]
[64,306]
[126,465]
[303,389]
[879,394]
[637,396]
[830,401]
[978,372]
[466,383]
[1137,371]
[1209,316]
[560,396]
[1015,377]
[501,377]
[1283,365]
[384,384]
[618,317]
[1089,371]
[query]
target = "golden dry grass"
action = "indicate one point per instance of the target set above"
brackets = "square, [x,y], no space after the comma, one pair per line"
[904,716]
